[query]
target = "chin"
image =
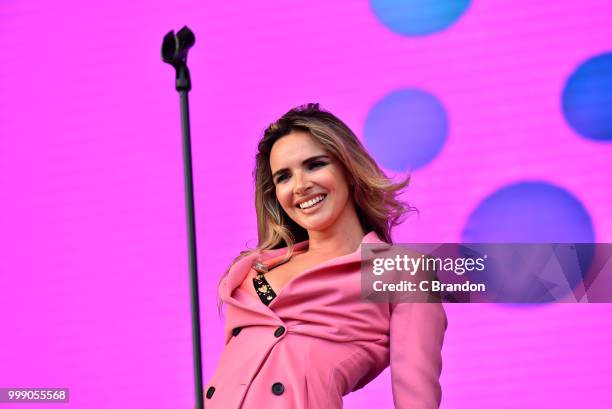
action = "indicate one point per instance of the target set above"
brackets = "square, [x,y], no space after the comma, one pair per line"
[321,222]
[317,226]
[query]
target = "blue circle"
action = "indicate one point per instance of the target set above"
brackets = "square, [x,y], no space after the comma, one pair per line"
[406,129]
[529,212]
[418,17]
[587,98]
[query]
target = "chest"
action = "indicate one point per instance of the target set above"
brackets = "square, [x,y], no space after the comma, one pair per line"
[278,277]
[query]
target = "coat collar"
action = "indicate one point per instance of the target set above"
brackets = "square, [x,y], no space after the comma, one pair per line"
[241,268]
[248,310]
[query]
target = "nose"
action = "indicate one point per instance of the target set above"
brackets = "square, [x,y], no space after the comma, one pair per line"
[302,183]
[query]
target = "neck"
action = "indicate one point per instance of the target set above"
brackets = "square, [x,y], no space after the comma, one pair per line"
[341,238]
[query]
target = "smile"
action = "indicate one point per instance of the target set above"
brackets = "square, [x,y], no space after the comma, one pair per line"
[312,202]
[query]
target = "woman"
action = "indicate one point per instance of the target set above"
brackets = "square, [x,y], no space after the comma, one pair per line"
[297,334]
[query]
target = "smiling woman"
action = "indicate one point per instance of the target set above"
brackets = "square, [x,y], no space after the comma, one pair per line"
[311,187]
[297,334]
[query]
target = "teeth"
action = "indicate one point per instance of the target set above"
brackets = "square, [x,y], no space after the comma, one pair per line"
[311,202]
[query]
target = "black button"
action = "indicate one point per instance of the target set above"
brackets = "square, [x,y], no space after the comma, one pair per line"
[279,331]
[278,389]
[210,392]
[236,331]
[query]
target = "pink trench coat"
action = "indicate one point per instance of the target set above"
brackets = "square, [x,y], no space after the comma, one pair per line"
[317,341]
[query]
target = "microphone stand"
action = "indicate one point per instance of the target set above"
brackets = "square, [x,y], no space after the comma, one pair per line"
[174,52]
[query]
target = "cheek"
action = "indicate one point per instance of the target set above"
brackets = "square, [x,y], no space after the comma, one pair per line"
[341,188]
[336,181]
[283,195]
[329,179]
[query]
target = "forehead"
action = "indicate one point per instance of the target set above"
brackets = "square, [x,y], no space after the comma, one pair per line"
[293,148]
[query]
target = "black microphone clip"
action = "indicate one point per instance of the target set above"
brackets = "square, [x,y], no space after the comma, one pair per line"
[174,52]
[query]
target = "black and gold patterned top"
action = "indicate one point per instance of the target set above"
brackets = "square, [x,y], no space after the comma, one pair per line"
[263,289]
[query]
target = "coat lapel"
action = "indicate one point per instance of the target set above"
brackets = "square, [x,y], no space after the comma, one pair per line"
[240,269]
[246,309]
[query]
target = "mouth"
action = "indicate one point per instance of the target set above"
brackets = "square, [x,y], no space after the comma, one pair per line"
[313,203]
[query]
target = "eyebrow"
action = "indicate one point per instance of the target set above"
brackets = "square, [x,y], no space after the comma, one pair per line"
[304,162]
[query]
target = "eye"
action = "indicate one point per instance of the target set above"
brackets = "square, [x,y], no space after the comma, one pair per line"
[311,165]
[316,164]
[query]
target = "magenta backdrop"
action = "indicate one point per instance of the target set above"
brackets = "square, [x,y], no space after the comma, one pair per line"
[93,263]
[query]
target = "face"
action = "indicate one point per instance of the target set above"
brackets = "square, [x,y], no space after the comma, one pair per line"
[310,184]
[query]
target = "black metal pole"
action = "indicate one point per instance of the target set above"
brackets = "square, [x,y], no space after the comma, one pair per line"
[193,263]
[174,52]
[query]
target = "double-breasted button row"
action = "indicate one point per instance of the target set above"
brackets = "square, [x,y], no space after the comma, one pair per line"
[278,388]
[279,331]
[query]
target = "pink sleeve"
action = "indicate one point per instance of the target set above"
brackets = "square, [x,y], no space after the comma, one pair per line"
[417,333]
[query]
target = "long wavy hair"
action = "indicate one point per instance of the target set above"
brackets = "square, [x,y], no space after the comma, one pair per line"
[375,195]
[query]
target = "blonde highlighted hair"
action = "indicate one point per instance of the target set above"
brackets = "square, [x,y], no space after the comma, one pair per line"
[375,195]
